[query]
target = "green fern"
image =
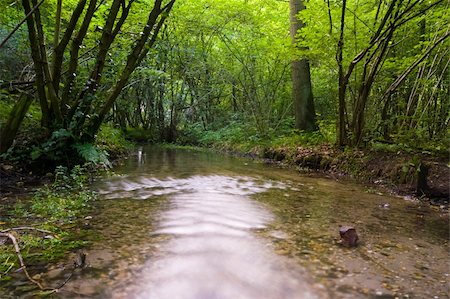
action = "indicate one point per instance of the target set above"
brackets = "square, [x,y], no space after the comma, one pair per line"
[89,153]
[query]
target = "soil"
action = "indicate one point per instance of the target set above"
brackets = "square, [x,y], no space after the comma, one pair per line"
[17,180]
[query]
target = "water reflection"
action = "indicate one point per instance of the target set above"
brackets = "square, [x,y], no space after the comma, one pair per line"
[185,224]
[212,252]
[144,187]
[141,156]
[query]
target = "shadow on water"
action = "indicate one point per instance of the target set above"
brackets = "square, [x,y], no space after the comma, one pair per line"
[187,224]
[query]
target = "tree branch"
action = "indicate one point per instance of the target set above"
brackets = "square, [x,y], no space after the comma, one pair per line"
[20,24]
[405,74]
[61,46]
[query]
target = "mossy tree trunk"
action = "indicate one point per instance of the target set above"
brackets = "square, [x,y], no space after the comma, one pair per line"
[9,130]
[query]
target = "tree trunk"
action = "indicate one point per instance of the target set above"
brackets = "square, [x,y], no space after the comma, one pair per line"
[135,57]
[367,79]
[60,46]
[161,113]
[9,130]
[73,61]
[51,92]
[234,96]
[36,56]
[341,125]
[57,23]
[305,116]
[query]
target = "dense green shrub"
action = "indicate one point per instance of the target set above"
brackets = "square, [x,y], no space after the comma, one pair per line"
[140,135]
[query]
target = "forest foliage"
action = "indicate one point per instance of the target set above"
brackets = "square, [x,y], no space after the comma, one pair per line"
[215,71]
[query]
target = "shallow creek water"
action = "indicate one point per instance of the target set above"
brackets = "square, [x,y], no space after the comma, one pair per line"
[185,224]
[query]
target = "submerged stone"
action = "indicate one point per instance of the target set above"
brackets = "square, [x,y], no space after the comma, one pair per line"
[349,237]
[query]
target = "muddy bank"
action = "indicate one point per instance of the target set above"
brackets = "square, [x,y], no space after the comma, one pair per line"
[409,174]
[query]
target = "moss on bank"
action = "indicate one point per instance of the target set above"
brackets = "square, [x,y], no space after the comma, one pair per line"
[409,167]
[404,173]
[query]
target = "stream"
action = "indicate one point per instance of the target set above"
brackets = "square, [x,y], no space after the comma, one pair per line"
[198,225]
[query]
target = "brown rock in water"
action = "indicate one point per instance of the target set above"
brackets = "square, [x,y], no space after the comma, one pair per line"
[349,237]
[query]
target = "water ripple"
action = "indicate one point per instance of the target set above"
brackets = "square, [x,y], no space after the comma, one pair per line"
[212,252]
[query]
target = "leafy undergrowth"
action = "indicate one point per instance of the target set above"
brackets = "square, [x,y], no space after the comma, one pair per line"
[32,158]
[246,138]
[112,141]
[141,135]
[48,222]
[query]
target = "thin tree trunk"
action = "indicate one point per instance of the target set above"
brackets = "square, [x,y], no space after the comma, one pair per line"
[86,97]
[341,124]
[138,53]
[161,113]
[57,23]
[406,72]
[37,60]
[330,17]
[363,96]
[60,46]
[104,44]
[20,24]
[51,92]
[73,61]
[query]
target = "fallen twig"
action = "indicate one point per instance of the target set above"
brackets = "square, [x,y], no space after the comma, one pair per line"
[80,262]
[19,256]
[65,281]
